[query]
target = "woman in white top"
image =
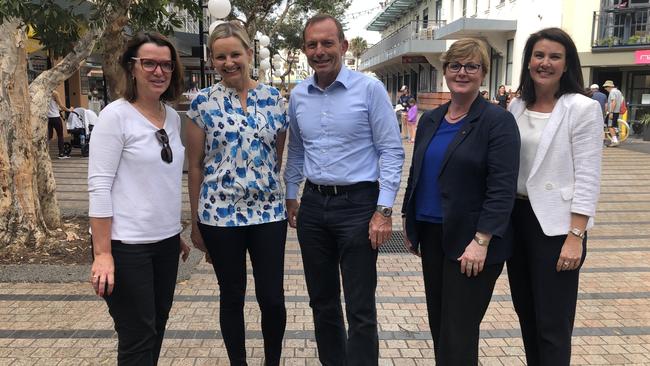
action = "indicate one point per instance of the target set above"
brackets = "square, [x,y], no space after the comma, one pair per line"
[134,182]
[558,186]
[235,149]
[54,121]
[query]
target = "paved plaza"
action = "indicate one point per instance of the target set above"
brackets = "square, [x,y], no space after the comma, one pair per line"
[65,324]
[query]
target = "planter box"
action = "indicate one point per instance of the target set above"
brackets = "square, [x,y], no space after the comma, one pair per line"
[646,133]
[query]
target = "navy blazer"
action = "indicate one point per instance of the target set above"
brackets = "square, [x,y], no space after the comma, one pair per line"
[477,180]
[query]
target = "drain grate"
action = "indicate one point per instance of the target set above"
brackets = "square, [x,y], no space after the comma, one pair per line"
[394,245]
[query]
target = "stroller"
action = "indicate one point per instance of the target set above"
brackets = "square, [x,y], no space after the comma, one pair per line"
[79,125]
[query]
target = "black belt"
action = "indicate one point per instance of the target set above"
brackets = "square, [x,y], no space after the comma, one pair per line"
[336,190]
[521,197]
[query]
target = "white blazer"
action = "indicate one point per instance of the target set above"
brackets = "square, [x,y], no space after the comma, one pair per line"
[565,176]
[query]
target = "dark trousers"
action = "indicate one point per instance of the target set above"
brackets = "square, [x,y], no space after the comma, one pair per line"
[54,123]
[456,303]
[544,299]
[265,244]
[333,234]
[145,279]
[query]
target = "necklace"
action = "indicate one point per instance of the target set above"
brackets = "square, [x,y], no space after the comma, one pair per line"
[155,116]
[449,116]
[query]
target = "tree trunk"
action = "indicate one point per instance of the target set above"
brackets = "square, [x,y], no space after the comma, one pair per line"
[40,91]
[21,220]
[112,43]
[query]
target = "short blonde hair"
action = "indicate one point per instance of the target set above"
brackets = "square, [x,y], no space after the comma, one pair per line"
[467,48]
[230,29]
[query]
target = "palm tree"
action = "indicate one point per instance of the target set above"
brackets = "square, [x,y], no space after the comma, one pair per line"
[358,46]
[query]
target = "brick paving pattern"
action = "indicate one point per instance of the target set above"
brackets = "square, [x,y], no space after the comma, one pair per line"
[65,324]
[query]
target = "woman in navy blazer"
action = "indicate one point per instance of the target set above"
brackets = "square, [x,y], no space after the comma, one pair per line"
[558,186]
[460,193]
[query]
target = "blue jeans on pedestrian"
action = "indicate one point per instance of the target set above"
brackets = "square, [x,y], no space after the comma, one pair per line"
[333,234]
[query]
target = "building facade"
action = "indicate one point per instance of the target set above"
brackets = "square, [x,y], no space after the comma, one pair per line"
[415,34]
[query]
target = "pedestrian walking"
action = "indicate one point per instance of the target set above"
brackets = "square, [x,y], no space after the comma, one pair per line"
[613,110]
[352,158]
[55,123]
[134,182]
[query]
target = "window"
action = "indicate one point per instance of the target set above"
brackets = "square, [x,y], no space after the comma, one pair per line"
[425,18]
[509,57]
[424,78]
[350,62]
[438,10]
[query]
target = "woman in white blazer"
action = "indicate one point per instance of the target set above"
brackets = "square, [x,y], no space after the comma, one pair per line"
[557,193]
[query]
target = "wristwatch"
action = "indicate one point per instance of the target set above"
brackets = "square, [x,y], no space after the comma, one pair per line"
[481,241]
[384,210]
[577,232]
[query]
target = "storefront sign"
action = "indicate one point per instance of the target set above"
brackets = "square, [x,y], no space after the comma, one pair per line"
[414,60]
[642,57]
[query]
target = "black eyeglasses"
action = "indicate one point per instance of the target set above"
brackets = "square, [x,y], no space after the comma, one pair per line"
[166,152]
[151,65]
[470,68]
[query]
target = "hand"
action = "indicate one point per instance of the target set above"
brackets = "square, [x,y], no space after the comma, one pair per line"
[379,229]
[208,259]
[570,255]
[197,239]
[407,242]
[473,259]
[185,250]
[102,274]
[292,212]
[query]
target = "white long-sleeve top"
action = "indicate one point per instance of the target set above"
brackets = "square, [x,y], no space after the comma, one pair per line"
[128,180]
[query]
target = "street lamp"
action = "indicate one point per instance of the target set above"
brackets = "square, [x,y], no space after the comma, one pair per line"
[218,9]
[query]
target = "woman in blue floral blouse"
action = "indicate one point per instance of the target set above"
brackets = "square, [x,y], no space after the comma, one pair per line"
[235,151]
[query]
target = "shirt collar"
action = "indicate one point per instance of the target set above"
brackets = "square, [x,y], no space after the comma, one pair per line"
[342,79]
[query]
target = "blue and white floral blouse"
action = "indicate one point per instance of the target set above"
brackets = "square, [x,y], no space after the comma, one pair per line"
[241,184]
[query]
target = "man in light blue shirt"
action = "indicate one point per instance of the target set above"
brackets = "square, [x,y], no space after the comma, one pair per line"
[343,137]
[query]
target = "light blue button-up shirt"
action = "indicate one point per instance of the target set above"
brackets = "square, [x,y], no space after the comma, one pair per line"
[344,134]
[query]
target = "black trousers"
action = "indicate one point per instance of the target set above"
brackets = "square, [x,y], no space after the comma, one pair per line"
[456,303]
[333,234]
[55,123]
[145,279]
[265,244]
[544,299]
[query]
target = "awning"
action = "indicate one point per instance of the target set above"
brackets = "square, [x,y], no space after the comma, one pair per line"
[475,27]
[393,11]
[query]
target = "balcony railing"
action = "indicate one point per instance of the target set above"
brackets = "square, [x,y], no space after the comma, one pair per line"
[621,28]
[387,47]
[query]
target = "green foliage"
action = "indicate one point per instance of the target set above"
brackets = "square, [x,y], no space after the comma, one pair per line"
[358,45]
[156,14]
[56,24]
[285,30]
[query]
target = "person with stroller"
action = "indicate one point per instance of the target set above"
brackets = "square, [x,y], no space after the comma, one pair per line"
[135,174]
[55,123]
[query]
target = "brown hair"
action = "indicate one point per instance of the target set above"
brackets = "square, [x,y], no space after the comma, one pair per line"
[129,90]
[322,17]
[467,48]
[571,80]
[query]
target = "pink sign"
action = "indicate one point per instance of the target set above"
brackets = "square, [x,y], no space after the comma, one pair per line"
[642,57]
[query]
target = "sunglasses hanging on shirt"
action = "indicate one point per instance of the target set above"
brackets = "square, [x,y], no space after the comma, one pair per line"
[166,152]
